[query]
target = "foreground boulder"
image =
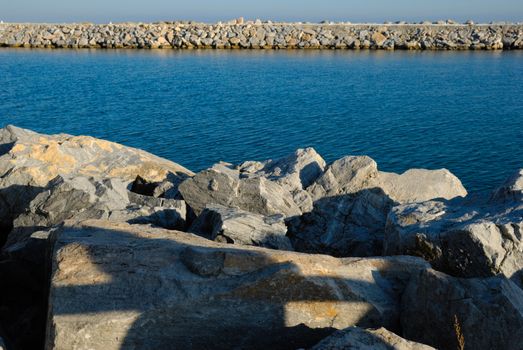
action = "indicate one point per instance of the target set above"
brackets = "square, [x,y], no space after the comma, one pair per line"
[116,285]
[29,161]
[465,238]
[355,338]
[230,225]
[488,312]
[222,185]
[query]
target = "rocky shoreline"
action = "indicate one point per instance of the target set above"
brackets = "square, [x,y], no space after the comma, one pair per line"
[238,34]
[109,247]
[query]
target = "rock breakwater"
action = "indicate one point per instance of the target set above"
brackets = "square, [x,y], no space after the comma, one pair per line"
[104,246]
[265,35]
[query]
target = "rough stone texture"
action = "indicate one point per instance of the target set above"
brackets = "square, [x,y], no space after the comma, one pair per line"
[117,286]
[417,185]
[294,173]
[355,338]
[464,237]
[346,175]
[82,198]
[489,311]
[223,185]
[230,225]
[352,200]
[258,35]
[345,225]
[29,161]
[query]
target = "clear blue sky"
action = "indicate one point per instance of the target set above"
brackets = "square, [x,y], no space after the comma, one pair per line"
[215,10]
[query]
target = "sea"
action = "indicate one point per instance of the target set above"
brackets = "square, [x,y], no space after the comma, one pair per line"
[406,109]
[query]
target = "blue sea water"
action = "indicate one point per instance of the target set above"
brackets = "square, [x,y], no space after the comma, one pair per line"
[458,110]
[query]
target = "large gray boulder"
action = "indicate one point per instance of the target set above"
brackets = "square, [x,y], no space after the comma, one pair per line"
[345,225]
[29,161]
[355,338]
[116,285]
[294,173]
[231,225]
[222,185]
[352,200]
[488,312]
[82,198]
[349,174]
[465,238]
[352,174]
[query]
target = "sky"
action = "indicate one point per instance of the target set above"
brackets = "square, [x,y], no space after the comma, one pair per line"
[104,11]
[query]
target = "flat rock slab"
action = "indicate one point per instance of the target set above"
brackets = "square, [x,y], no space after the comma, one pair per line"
[116,285]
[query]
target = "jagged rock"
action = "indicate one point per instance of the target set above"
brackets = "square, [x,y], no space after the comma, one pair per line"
[223,186]
[117,286]
[355,338]
[346,175]
[29,161]
[355,173]
[489,311]
[345,225]
[511,190]
[465,238]
[352,201]
[237,226]
[294,173]
[82,198]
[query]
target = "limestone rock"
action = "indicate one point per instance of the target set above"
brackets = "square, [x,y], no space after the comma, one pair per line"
[237,226]
[346,175]
[489,311]
[464,237]
[345,225]
[117,286]
[29,161]
[511,190]
[223,185]
[296,171]
[82,198]
[355,173]
[355,338]
[41,158]
[417,185]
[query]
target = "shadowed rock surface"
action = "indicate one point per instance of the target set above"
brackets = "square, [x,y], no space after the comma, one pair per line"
[83,198]
[117,285]
[355,338]
[352,200]
[223,185]
[229,225]
[468,238]
[29,161]
[489,311]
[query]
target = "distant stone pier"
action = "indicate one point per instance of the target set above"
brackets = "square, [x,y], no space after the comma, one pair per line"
[265,35]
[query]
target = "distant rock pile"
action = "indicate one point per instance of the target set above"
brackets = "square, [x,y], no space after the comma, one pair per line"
[266,35]
[109,247]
